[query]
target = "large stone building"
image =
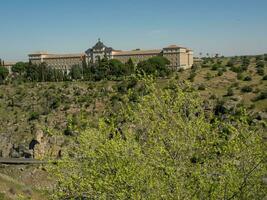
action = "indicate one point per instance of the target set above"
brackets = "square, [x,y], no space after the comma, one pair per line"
[179,57]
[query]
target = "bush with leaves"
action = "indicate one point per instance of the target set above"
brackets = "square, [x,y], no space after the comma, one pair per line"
[261,96]
[247,78]
[246,88]
[260,71]
[164,147]
[157,65]
[230,91]
[3,74]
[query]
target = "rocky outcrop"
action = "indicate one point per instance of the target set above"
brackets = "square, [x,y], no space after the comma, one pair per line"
[5,145]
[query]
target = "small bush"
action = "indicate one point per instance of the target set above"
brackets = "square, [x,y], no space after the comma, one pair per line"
[260,64]
[214,67]
[264,78]
[235,84]
[213,96]
[201,87]
[247,78]
[240,76]
[246,89]
[34,116]
[260,71]
[230,92]
[192,76]
[205,65]
[208,76]
[262,96]
[220,72]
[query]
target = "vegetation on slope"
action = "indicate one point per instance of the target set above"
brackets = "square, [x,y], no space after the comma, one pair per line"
[62,111]
[165,145]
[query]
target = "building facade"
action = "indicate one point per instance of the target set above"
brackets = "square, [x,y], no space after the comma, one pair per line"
[179,57]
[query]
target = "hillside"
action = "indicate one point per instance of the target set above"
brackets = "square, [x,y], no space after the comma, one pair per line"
[40,119]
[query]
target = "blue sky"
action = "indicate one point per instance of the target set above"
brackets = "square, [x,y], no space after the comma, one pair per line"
[228,27]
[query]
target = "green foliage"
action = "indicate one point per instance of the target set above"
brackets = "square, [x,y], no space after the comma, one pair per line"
[43,72]
[245,61]
[246,88]
[76,72]
[192,76]
[264,77]
[240,76]
[261,96]
[260,64]
[208,76]
[3,74]
[19,67]
[230,63]
[157,65]
[201,87]
[215,67]
[220,72]
[247,78]
[230,91]
[34,116]
[260,71]
[163,147]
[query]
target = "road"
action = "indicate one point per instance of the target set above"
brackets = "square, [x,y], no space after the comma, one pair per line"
[21,161]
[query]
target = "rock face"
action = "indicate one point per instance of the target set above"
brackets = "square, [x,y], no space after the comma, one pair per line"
[46,146]
[5,145]
[21,151]
[39,147]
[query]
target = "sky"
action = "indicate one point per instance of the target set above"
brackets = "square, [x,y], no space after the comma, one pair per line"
[227,27]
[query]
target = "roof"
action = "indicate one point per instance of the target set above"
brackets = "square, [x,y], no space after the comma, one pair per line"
[136,52]
[38,53]
[64,55]
[99,45]
[173,46]
[49,55]
[9,63]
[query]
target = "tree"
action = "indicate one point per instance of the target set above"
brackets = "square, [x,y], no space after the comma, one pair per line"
[3,73]
[129,65]
[19,67]
[76,72]
[157,65]
[164,147]
[116,68]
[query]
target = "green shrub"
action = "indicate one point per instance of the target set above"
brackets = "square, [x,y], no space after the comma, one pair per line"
[215,67]
[240,76]
[247,78]
[262,96]
[201,87]
[192,76]
[246,89]
[264,77]
[208,76]
[220,72]
[205,65]
[260,64]
[34,116]
[230,91]
[260,71]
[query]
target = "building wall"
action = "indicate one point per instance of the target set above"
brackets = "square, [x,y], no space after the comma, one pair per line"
[179,57]
[135,58]
[58,62]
